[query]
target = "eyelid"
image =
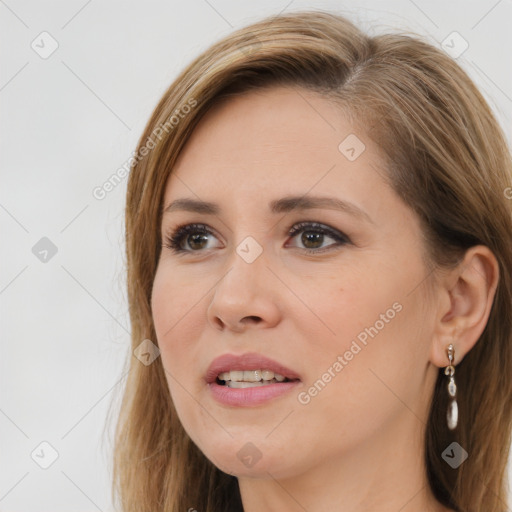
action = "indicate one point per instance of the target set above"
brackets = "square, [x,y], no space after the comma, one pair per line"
[299,226]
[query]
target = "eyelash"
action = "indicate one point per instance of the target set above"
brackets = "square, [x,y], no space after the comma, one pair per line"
[174,240]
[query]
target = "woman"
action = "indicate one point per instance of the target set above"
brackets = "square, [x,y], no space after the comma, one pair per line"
[318,243]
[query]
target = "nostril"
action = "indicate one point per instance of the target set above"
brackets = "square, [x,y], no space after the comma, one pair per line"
[253,318]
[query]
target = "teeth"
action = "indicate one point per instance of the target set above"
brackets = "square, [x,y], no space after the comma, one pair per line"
[251,376]
[237,375]
[267,374]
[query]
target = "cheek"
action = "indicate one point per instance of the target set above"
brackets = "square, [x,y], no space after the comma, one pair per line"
[337,309]
[173,300]
[355,389]
[173,318]
[162,296]
[172,313]
[178,324]
[363,331]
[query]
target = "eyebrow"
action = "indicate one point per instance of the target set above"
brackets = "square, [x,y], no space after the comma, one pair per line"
[283,205]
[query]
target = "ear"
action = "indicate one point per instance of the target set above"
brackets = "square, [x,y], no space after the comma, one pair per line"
[466,296]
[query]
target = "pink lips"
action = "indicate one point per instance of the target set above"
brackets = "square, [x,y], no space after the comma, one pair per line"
[247,361]
[247,397]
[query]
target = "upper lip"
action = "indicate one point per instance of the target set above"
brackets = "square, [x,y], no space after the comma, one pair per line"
[247,361]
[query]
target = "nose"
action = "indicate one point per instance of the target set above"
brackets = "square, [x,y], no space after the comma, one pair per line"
[245,296]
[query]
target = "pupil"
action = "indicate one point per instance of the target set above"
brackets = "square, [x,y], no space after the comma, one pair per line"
[309,236]
[196,238]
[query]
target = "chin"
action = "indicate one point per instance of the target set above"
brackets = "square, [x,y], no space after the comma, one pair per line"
[248,459]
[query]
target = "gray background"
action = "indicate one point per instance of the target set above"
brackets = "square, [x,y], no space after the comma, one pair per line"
[69,121]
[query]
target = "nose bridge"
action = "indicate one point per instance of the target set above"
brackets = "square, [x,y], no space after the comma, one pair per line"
[243,291]
[247,266]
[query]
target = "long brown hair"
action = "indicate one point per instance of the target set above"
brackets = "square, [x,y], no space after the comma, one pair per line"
[448,160]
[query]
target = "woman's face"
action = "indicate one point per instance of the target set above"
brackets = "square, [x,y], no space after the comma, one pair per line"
[342,303]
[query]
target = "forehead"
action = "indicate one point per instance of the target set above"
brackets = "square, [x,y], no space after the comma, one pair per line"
[273,142]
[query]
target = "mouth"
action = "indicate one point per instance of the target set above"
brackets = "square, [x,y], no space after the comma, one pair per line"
[248,370]
[250,378]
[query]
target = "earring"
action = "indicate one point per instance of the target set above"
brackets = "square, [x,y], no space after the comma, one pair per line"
[453,410]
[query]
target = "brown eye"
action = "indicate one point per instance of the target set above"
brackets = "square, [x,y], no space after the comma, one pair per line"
[195,235]
[314,234]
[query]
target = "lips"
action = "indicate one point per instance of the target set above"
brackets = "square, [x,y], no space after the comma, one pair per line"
[247,361]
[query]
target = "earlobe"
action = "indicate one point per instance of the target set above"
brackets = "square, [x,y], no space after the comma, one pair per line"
[468,294]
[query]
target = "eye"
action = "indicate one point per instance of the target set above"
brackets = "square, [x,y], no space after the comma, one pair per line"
[196,235]
[313,237]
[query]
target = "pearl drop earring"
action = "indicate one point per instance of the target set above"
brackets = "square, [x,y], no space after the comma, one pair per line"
[453,409]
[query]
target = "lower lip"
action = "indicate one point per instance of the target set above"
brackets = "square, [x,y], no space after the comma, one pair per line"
[248,397]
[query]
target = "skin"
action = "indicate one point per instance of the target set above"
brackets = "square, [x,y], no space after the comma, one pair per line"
[357,445]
